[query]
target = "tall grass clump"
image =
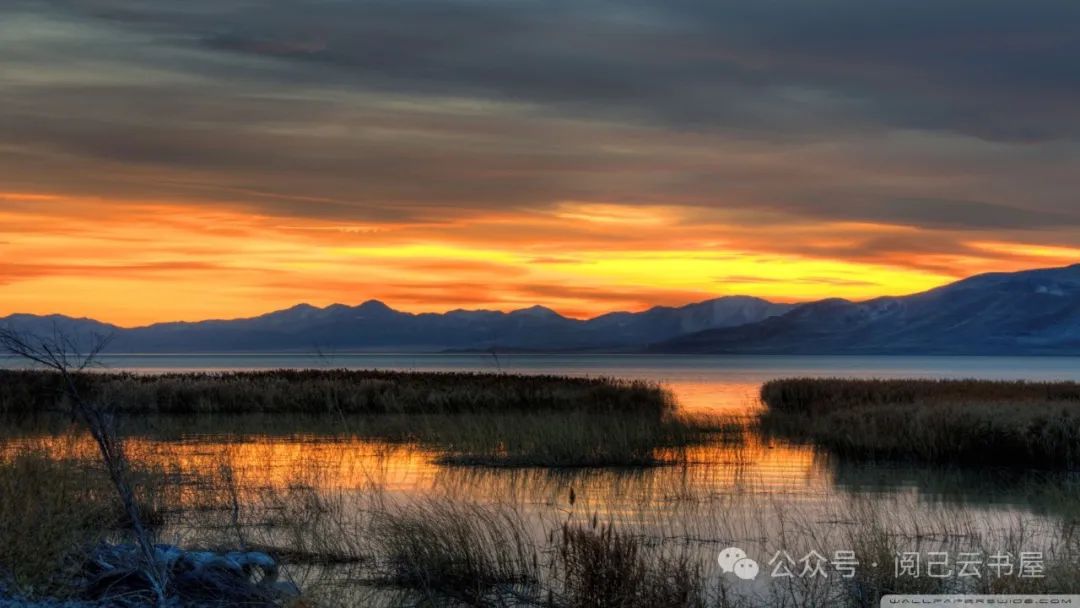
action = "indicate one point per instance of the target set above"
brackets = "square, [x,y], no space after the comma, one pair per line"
[599,566]
[54,511]
[477,555]
[1024,424]
[51,514]
[457,553]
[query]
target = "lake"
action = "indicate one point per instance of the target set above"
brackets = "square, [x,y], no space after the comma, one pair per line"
[761,494]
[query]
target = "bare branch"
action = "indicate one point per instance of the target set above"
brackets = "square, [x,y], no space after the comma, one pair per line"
[61,354]
[97,345]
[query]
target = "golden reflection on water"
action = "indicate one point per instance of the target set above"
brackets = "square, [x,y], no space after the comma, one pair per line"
[352,463]
[332,460]
[727,398]
[257,455]
[756,493]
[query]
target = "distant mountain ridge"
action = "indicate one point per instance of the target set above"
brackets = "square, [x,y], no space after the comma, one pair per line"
[373,325]
[1023,313]
[1035,312]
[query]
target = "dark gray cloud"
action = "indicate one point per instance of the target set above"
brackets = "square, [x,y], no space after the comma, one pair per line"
[936,213]
[944,214]
[991,68]
[410,109]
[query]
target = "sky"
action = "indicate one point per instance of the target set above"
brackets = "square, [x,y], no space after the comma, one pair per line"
[164,160]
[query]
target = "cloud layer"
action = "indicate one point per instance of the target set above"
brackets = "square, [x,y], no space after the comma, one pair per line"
[903,136]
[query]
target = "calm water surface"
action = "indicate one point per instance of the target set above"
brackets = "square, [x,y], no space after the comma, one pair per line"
[722,384]
[720,494]
[725,384]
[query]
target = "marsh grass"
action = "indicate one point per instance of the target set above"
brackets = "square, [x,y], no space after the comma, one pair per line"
[475,554]
[599,565]
[51,512]
[821,395]
[372,546]
[1021,424]
[54,510]
[335,392]
[458,553]
[546,439]
[451,544]
[471,419]
[453,553]
[532,439]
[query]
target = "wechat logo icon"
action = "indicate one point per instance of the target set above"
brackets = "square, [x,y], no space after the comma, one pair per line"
[733,560]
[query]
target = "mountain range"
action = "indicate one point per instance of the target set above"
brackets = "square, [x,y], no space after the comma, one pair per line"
[1022,313]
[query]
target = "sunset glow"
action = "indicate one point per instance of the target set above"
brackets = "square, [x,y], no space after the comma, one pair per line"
[137,263]
[220,160]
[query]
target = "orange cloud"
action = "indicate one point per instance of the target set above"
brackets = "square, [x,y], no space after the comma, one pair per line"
[139,262]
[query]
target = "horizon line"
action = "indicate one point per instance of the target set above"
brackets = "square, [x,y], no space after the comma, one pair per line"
[509,311]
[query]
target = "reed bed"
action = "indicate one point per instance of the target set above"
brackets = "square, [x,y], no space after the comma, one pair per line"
[819,395]
[335,392]
[1018,424]
[445,549]
[470,419]
[546,439]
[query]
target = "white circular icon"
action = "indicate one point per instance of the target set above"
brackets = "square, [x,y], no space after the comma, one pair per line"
[728,557]
[746,569]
